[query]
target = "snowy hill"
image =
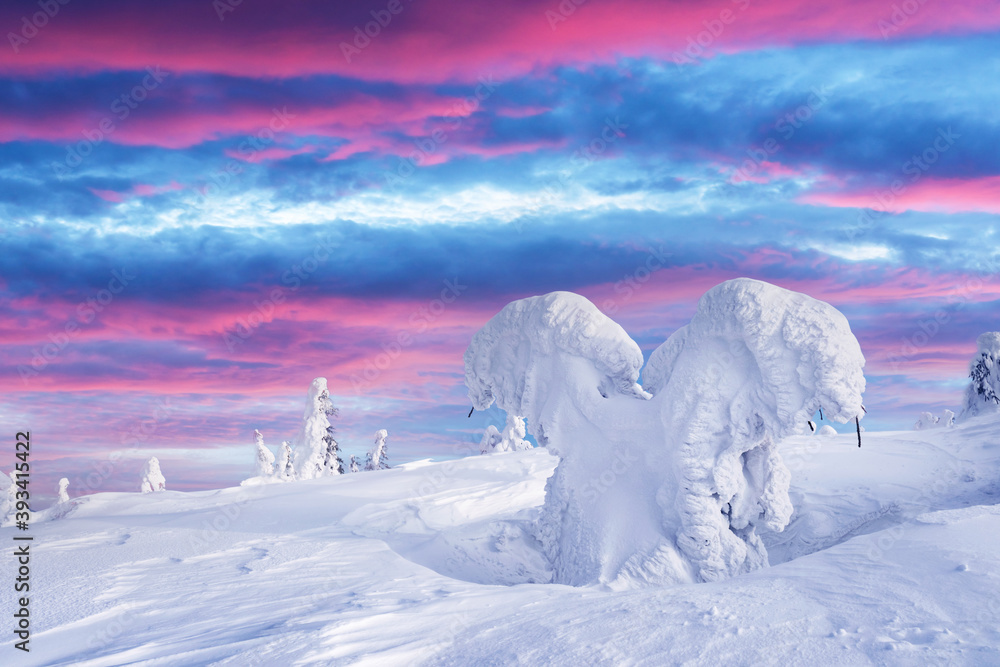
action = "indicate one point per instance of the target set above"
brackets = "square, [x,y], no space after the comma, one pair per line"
[892,556]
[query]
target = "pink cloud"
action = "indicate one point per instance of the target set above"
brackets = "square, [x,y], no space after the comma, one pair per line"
[941,195]
[435,40]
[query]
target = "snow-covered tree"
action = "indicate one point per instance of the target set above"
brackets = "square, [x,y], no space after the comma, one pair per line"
[285,469]
[333,464]
[926,420]
[354,463]
[63,490]
[311,442]
[491,438]
[378,455]
[669,481]
[511,439]
[983,393]
[265,459]
[152,479]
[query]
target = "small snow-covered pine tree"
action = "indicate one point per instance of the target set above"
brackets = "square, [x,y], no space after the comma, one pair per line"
[63,490]
[333,464]
[491,438]
[285,469]
[926,421]
[378,455]
[354,463]
[152,479]
[512,438]
[310,444]
[265,459]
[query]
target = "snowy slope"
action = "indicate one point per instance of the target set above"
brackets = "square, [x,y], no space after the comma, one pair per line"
[891,557]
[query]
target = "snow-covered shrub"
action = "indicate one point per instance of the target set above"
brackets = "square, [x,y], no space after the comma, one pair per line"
[152,479]
[285,469]
[378,455]
[512,437]
[354,463]
[983,393]
[826,429]
[63,490]
[265,459]
[311,443]
[669,487]
[928,420]
[491,438]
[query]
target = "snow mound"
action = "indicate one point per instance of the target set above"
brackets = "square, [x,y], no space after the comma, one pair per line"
[669,489]
[826,429]
[983,393]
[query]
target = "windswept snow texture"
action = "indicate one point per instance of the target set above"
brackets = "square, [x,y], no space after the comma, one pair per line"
[892,557]
[983,394]
[699,461]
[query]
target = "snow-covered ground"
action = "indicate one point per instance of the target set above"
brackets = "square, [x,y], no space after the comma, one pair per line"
[892,556]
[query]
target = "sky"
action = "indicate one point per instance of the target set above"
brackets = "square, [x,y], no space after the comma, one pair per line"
[207,204]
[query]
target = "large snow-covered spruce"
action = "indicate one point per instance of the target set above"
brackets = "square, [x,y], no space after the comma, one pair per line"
[311,444]
[983,393]
[669,487]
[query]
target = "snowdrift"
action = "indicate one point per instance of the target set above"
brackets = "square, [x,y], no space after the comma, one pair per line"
[667,481]
[891,557]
